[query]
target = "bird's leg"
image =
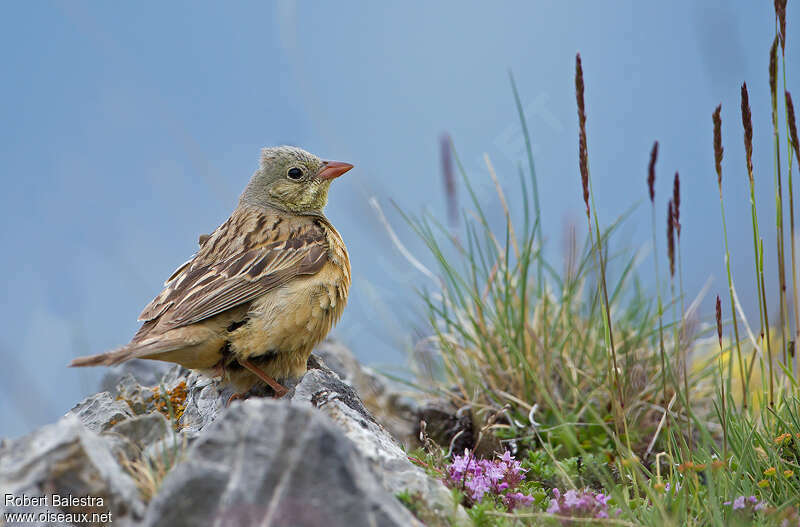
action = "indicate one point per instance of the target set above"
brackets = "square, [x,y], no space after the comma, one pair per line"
[235,397]
[279,389]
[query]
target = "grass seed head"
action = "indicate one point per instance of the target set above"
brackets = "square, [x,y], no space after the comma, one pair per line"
[449,178]
[747,123]
[676,202]
[792,124]
[651,172]
[780,13]
[718,145]
[671,237]
[773,79]
[719,321]
[583,155]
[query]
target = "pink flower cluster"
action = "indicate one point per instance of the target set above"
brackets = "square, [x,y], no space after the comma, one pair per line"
[478,477]
[579,503]
[743,502]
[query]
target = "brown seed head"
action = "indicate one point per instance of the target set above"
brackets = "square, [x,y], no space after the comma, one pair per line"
[651,172]
[718,145]
[671,237]
[747,123]
[583,157]
[773,79]
[449,178]
[792,124]
[780,12]
[719,321]
[676,201]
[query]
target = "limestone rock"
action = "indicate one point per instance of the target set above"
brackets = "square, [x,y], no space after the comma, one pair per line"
[100,412]
[66,458]
[265,462]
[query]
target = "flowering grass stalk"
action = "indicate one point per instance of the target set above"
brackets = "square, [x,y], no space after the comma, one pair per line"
[718,153]
[586,182]
[773,89]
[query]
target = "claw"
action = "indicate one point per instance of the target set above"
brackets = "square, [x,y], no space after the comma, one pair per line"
[235,397]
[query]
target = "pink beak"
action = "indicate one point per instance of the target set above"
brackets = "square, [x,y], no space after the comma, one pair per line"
[333,169]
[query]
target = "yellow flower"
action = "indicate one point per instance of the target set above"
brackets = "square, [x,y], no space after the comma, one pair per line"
[770,471]
[763,483]
[788,473]
[783,439]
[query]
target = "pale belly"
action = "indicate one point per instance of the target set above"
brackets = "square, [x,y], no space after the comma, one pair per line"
[282,329]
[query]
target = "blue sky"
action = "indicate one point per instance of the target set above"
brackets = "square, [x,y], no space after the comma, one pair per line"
[128,130]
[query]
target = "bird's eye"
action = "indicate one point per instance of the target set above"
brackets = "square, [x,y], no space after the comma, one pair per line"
[295,173]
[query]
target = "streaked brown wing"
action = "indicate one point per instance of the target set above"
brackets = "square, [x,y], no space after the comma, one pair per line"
[205,287]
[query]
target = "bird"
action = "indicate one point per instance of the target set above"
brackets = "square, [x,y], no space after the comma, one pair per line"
[261,291]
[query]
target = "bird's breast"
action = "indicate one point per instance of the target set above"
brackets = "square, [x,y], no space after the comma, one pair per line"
[295,317]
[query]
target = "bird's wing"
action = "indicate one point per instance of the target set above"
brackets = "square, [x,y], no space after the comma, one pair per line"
[237,264]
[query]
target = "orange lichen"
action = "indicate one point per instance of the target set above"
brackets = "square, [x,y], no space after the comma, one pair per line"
[174,400]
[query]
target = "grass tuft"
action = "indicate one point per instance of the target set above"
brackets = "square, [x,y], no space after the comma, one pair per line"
[583,377]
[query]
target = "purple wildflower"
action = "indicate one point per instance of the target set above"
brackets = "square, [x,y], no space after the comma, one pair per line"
[478,485]
[579,504]
[746,503]
[479,478]
[512,500]
[667,487]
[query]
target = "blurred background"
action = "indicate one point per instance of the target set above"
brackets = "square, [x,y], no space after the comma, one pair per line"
[128,130]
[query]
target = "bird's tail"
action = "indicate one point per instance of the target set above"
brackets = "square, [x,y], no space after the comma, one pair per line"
[106,359]
[135,350]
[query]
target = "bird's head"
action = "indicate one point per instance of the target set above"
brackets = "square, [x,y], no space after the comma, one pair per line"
[292,179]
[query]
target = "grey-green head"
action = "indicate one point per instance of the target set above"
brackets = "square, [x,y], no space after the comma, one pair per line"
[292,179]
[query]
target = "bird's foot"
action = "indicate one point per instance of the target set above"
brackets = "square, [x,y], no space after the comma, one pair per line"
[278,389]
[235,397]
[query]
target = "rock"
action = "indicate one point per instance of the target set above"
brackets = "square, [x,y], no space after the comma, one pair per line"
[322,389]
[204,401]
[341,360]
[317,457]
[66,458]
[447,425]
[144,372]
[100,412]
[142,435]
[266,462]
[391,403]
[143,430]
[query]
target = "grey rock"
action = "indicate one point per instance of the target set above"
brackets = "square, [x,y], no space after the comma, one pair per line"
[134,394]
[266,462]
[145,372]
[204,402]
[100,412]
[392,404]
[322,389]
[63,459]
[341,360]
[316,457]
[141,436]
